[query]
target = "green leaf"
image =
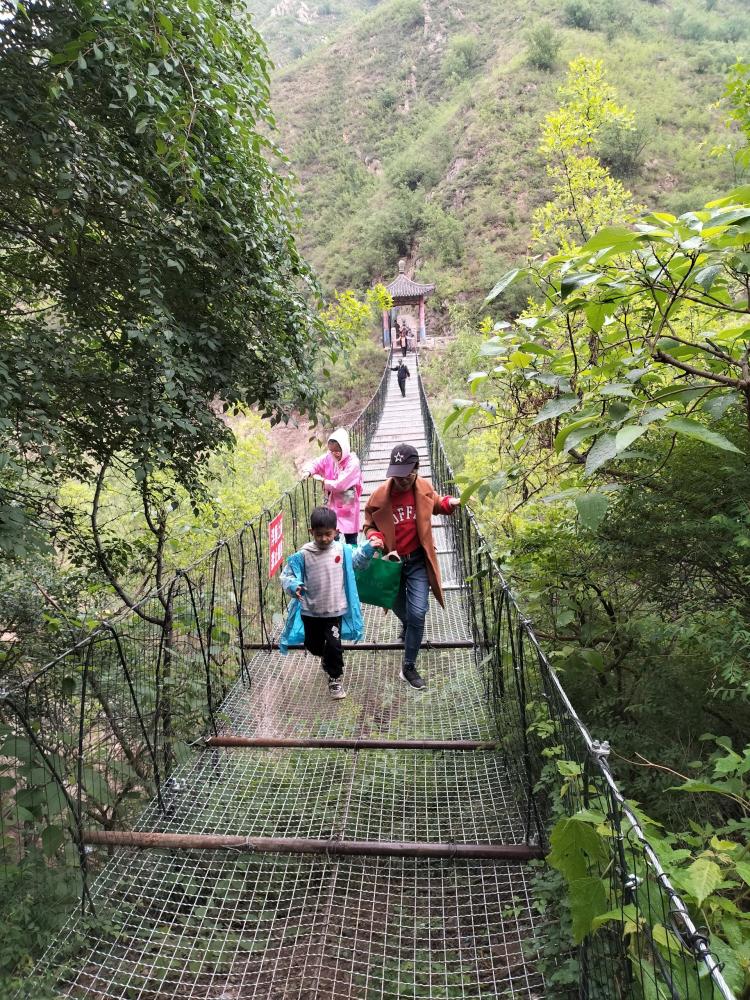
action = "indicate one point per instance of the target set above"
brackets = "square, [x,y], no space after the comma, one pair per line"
[653,413]
[492,348]
[52,838]
[505,282]
[554,407]
[591,509]
[96,785]
[588,899]
[700,879]
[603,450]
[613,236]
[575,845]
[18,747]
[731,964]
[627,913]
[452,418]
[571,282]
[695,785]
[736,196]
[620,389]
[470,489]
[592,658]
[54,800]
[475,378]
[532,348]
[743,870]
[596,313]
[552,381]
[565,432]
[519,360]
[707,275]
[627,435]
[717,406]
[691,428]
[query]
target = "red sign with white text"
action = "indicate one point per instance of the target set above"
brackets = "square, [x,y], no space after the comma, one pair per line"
[275,544]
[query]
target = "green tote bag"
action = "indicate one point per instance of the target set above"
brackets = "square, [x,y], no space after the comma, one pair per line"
[379,581]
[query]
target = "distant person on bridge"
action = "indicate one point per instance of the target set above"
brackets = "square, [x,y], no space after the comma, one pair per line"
[402,375]
[402,338]
[398,518]
[341,475]
[320,578]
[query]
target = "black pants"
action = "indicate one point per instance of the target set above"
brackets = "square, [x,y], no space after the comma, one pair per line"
[323,638]
[404,349]
[350,537]
[402,386]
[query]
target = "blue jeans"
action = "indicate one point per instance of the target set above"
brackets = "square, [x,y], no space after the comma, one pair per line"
[411,604]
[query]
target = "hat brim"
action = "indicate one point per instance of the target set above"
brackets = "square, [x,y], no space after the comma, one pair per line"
[402,470]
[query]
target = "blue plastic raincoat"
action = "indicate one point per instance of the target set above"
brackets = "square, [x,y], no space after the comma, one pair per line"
[293,575]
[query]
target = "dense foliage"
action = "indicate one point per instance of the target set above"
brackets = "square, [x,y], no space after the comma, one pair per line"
[414,129]
[605,446]
[148,264]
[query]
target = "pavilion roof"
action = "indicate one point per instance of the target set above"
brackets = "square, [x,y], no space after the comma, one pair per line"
[404,290]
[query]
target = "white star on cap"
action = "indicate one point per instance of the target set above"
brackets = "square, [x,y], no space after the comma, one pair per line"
[398,458]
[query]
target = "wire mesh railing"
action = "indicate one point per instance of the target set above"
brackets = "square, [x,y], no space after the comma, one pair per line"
[646,944]
[364,427]
[88,740]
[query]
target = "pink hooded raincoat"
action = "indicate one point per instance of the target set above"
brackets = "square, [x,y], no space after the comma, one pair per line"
[342,482]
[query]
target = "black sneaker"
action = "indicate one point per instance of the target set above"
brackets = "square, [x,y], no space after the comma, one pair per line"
[410,675]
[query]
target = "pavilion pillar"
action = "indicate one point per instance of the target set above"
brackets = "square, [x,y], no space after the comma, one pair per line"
[386,329]
[422,329]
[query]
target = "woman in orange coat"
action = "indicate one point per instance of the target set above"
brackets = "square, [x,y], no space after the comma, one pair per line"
[398,518]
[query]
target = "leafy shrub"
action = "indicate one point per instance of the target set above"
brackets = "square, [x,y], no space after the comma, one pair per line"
[621,149]
[389,233]
[36,899]
[542,45]
[407,13]
[444,236]
[734,28]
[692,27]
[414,168]
[580,14]
[461,57]
[386,98]
[615,19]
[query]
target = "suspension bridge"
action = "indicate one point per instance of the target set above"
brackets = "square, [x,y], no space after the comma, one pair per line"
[231,833]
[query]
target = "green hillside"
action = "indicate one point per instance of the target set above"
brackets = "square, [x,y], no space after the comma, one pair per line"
[415,131]
[291,28]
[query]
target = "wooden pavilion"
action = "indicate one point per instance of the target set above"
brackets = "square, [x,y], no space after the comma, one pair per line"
[405,292]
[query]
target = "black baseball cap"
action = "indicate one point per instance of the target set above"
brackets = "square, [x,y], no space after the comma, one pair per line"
[403,459]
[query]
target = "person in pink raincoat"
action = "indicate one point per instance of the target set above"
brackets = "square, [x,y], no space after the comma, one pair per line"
[340,471]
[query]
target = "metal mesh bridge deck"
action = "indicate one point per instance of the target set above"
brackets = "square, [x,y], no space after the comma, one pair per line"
[230,926]
[326,854]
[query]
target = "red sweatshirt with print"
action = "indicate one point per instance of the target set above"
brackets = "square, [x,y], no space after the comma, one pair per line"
[405,521]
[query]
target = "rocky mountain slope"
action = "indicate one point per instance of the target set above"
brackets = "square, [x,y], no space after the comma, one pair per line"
[414,126]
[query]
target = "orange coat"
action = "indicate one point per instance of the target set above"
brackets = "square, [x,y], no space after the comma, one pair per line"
[379,517]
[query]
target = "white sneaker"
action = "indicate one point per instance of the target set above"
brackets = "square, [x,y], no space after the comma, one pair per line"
[336,688]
